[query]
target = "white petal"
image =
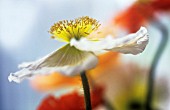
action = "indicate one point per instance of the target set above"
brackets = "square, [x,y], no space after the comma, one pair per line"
[67,60]
[131,44]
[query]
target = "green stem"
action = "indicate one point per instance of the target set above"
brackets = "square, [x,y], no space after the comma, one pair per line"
[164,39]
[86,91]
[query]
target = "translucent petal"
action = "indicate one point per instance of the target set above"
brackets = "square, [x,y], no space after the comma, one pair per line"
[67,60]
[131,44]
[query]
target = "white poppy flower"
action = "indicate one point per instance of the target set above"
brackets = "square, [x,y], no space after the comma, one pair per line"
[80,52]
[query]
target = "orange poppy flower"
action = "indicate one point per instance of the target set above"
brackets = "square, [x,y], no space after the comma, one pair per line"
[161,5]
[107,62]
[135,16]
[72,101]
[139,13]
[54,81]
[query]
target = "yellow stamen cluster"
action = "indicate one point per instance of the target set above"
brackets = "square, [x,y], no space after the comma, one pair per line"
[77,28]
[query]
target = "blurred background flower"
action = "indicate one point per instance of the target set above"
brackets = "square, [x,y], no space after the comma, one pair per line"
[72,101]
[54,81]
[23,35]
[126,87]
[140,13]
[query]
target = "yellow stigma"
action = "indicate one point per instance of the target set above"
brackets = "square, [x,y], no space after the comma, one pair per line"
[77,28]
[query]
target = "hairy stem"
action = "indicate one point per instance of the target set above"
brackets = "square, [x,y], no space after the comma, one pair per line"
[161,47]
[86,91]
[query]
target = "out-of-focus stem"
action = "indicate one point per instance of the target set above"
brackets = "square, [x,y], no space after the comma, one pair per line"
[86,89]
[161,47]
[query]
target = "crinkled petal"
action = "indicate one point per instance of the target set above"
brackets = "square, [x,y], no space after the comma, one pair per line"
[131,44]
[67,60]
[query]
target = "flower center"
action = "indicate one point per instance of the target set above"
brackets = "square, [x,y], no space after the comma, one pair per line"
[77,28]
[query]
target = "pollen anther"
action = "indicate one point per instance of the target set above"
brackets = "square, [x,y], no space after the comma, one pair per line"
[77,28]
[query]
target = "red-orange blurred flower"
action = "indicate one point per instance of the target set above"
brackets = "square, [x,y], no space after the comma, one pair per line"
[139,13]
[54,81]
[72,101]
[135,16]
[161,5]
[107,62]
